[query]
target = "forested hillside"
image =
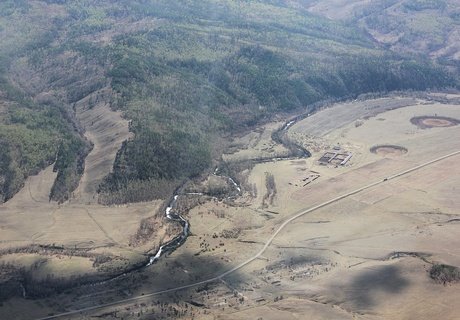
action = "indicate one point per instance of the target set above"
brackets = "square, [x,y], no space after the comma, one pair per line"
[429,28]
[36,128]
[184,72]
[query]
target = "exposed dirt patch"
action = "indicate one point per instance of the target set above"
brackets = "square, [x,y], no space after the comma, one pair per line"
[427,122]
[388,150]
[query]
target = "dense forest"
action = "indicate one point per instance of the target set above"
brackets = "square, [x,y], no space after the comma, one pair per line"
[183,72]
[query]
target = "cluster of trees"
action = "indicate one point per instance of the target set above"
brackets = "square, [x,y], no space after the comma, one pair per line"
[418,5]
[70,164]
[151,165]
[9,7]
[444,273]
[33,136]
[270,195]
[116,189]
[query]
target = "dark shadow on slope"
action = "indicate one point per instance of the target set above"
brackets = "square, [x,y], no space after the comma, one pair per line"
[364,287]
[176,270]
[291,260]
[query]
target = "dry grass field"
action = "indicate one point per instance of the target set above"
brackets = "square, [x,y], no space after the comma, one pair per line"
[80,226]
[366,256]
[342,261]
[107,130]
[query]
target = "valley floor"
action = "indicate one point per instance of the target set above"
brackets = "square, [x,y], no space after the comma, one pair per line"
[366,256]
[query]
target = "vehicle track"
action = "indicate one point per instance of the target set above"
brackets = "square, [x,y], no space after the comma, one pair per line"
[90,215]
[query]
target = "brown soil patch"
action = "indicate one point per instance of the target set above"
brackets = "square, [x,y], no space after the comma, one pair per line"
[426,122]
[388,150]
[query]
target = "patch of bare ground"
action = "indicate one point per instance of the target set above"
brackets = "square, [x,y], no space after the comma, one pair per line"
[427,122]
[122,26]
[388,150]
[336,9]
[107,130]
[291,308]
[55,246]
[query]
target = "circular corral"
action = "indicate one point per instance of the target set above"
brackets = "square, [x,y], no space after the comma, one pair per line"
[426,122]
[388,150]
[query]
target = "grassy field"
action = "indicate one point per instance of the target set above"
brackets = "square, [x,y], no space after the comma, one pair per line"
[391,245]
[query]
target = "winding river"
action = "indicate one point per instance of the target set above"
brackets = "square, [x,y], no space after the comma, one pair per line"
[170,213]
[179,239]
